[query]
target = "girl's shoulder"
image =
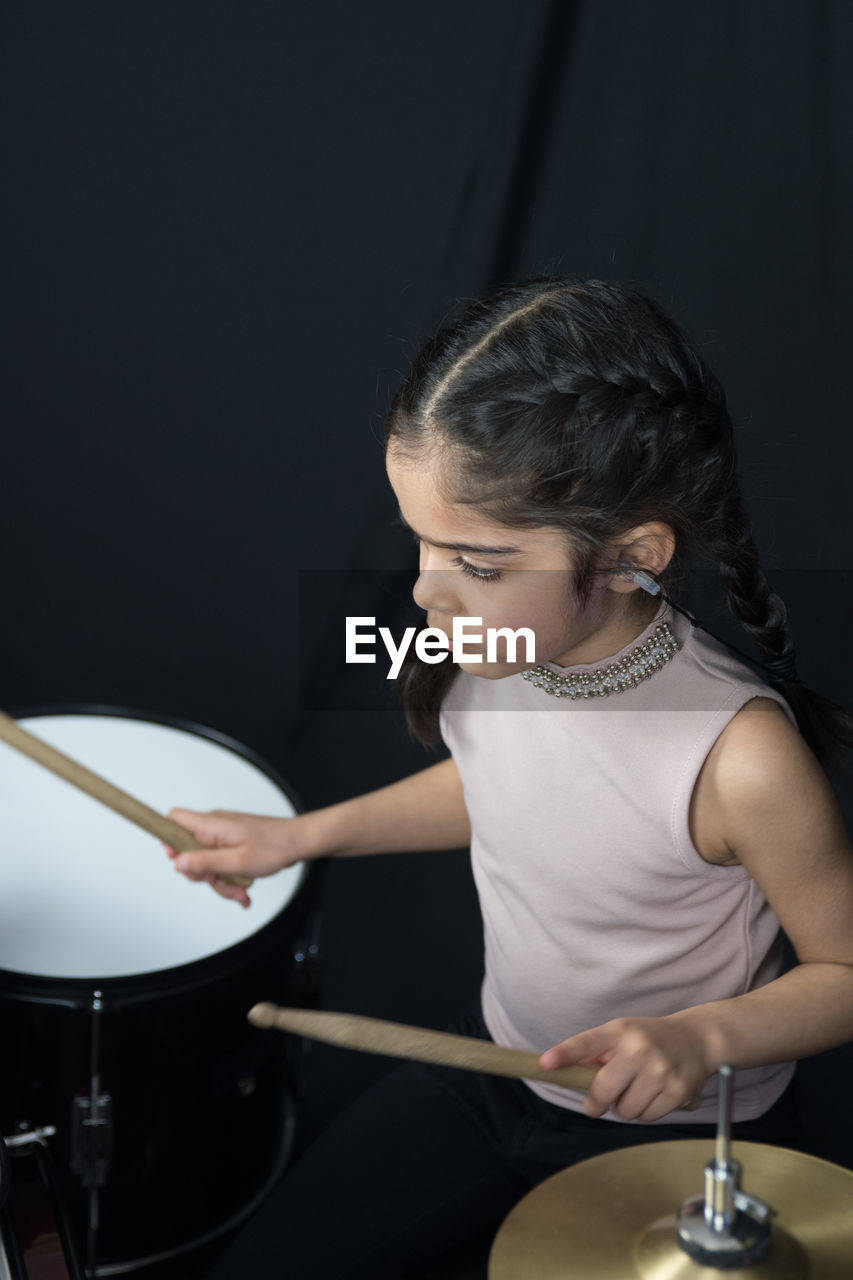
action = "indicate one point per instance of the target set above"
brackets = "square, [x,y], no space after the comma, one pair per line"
[759,781]
[774,813]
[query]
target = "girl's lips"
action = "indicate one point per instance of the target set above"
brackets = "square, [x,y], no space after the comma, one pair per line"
[438,627]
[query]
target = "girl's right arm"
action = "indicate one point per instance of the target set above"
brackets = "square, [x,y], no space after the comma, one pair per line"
[423,812]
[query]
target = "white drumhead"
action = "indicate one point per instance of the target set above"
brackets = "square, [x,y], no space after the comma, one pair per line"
[83,892]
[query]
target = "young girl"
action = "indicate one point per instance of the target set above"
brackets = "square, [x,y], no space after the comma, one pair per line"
[643,810]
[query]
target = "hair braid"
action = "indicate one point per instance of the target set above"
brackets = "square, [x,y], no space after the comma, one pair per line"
[749,595]
[762,613]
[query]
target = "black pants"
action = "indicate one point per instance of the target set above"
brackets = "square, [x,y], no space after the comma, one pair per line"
[426,1159]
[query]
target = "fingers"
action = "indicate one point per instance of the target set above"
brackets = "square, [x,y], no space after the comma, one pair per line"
[635,1091]
[211,829]
[208,864]
[219,860]
[647,1067]
[225,889]
[587,1047]
[648,1098]
[197,867]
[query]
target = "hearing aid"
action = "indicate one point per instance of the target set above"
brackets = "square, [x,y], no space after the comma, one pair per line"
[643,580]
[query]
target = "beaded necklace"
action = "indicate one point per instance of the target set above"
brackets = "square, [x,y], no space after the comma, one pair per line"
[637,665]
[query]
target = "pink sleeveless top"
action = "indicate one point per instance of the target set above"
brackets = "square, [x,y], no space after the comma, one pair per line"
[595,903]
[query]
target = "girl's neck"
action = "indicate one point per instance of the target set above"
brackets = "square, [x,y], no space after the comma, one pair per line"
[616,632]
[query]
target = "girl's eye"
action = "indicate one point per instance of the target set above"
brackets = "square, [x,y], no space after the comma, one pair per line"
[474,571]
[470,570]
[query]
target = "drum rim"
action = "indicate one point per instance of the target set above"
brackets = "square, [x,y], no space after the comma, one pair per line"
[176,981]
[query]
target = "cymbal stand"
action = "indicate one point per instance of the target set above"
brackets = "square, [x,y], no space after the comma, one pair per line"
[725,1228]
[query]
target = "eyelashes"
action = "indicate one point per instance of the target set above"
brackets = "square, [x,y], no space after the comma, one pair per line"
[474,571]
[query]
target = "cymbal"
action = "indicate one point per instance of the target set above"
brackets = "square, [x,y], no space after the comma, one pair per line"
[613,1217]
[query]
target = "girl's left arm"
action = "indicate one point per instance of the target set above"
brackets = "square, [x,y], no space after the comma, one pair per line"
[774,813]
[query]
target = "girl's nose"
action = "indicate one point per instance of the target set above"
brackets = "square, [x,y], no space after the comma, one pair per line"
[434,590]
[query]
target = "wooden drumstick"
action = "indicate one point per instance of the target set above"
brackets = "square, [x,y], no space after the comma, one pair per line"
[104,792]
[350,1031]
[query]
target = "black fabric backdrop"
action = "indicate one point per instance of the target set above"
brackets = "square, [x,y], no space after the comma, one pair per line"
[226,228]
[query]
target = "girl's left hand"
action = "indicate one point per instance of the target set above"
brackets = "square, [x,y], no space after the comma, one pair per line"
[649,1066]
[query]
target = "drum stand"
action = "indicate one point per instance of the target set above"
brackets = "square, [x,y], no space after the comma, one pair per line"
[33,1143]
[91,1135]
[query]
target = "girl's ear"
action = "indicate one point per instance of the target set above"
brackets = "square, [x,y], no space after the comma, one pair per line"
[649,547]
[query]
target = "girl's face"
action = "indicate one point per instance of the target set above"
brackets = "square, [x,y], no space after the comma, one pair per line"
[472,567]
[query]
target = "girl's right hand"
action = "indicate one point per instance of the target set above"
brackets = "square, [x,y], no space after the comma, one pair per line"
[238,844]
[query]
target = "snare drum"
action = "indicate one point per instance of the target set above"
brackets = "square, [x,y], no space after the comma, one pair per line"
[124,989]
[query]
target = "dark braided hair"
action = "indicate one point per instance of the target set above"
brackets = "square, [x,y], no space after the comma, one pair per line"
[580,405]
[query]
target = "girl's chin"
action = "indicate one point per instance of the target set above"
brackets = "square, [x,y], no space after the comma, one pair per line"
[492,670]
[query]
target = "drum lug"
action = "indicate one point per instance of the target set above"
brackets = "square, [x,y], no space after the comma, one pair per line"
[91,1138]
[307,965]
